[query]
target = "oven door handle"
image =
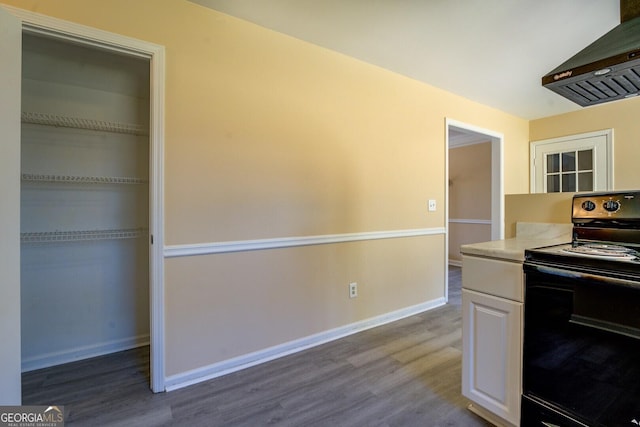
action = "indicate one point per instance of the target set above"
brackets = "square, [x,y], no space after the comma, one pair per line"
[581,275]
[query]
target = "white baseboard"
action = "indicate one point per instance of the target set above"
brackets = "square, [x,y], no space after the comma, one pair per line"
[85,352]
[225,367]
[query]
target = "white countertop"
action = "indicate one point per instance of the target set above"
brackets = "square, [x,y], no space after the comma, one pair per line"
[509,249]
[528,236]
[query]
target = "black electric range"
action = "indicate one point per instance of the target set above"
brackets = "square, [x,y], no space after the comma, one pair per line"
[581,353]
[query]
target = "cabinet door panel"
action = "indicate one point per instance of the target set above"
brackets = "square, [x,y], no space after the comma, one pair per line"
[492,346]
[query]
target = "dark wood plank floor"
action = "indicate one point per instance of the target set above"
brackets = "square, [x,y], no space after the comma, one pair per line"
[406,373]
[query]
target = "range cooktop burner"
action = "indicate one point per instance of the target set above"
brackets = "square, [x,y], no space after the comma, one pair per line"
[603,251]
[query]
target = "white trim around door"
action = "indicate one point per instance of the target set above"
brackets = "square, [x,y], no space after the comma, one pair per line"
[497,181]
[52,27]
[598,143]
[497,173]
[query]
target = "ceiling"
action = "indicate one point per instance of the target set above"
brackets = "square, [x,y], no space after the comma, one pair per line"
[491,51]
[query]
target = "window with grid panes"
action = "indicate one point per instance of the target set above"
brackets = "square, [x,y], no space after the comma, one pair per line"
[569,171]
[572,164]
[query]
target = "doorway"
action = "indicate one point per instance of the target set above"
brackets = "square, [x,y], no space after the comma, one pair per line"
[19,22]
[475,194]
[84,204]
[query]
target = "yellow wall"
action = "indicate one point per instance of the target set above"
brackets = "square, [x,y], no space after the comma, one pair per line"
[469,196]
[268,136]
[540,207]
[621,116]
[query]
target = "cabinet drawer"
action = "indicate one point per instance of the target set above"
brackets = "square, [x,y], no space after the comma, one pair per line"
[494,277]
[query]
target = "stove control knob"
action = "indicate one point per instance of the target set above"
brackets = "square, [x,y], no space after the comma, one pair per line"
[611,206]
[588,206]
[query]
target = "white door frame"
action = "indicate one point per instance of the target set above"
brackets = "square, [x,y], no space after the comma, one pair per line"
[11,52]
[603,160]
[52,27]
[497,184]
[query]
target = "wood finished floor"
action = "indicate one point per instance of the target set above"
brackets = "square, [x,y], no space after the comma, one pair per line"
[405,373]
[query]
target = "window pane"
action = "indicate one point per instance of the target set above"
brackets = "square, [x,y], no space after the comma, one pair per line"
[568,182]
[585,160]
[576,154]
[553,163]
[585,181]
[568,161]
[553,183]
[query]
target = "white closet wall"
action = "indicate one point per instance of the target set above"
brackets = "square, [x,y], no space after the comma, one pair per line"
[84,202]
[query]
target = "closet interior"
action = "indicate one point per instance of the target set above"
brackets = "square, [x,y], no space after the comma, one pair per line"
[84,201]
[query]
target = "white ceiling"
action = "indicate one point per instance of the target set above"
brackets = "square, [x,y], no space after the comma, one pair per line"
[491,51]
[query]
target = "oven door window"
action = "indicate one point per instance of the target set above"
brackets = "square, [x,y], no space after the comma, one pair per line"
[582,347]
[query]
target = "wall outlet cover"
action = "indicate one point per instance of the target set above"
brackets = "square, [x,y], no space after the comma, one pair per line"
[353,290]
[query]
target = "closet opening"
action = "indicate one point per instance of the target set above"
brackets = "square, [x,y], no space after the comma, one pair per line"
[85,206]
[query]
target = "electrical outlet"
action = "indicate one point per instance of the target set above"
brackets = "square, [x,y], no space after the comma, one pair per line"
[432,205]
[353,290]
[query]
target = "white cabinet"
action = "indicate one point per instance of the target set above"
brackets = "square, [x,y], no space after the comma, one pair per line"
[492,319]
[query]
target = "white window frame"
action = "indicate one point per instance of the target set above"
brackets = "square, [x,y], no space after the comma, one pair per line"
[603,157]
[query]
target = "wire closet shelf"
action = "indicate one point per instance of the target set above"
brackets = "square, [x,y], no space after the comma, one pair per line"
[82,235]
[56,120]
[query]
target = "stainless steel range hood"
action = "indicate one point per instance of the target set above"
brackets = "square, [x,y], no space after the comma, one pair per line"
[606,70]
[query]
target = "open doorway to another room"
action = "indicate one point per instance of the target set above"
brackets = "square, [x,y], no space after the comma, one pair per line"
[475,211]
[89,259]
